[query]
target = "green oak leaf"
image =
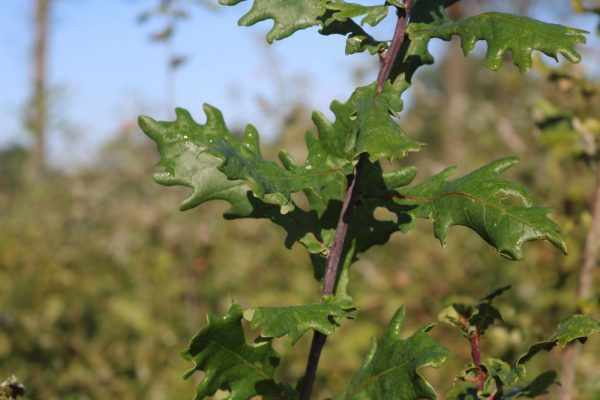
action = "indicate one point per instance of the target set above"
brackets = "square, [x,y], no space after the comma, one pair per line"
[211,161]
[378,134]
[530,389]
[470,319]
[390,368]
[288,16]
[360,43]
[295,321]
[475,201]
[343,11]
[521,35]
[577,326]
[191,152]
[428,21]
[495,293]
[188,168]
[338,137]
[364,124]
[503,377]
[220,350]
[499,371]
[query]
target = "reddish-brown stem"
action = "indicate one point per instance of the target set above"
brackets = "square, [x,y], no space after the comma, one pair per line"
[333,261]
[335,254]
[476,354]
[389,58]
[475,351]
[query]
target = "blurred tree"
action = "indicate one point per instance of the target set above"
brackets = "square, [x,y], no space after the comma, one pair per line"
[38,116]
[568,119]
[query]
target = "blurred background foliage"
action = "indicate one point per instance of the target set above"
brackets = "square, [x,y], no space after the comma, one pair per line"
[103,281]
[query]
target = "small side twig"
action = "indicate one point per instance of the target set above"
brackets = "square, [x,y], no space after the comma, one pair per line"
[475,350]
[476,355]
[335,254]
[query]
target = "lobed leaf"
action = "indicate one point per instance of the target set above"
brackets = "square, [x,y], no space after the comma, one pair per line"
[197,156]
[378,134]
[390,368]
[577,326]
[364,124]
[288,16]
[220,350]
[343,11]
[297,320]
[475,201]
[521,35]
[217,165]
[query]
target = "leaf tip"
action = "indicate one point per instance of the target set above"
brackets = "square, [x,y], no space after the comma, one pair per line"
[150,127]
[396,323]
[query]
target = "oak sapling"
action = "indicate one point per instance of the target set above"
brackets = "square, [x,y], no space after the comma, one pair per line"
[340,224]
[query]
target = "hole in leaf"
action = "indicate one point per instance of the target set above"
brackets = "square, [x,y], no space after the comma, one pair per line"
[383,214]
[301,201]
[510,199]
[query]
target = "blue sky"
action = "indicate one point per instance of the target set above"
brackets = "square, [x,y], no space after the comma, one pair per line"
[106,71]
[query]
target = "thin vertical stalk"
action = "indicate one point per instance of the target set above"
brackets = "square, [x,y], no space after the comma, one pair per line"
[476,355]
[388,60]
[335,254]
[584,289]
[333,261]
[35,167]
